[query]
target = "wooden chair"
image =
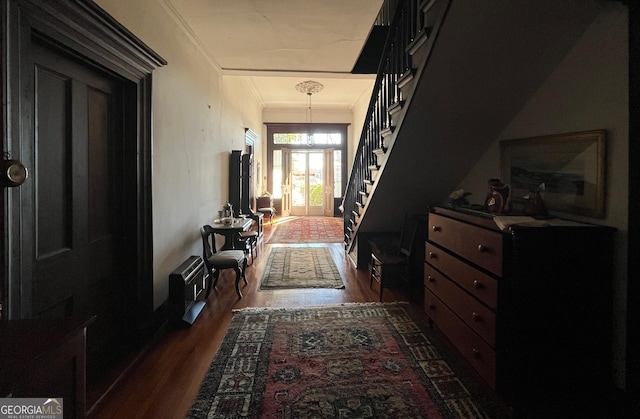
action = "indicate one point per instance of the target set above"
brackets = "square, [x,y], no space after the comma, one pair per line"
[249,239]
[265,206]
[393,264]
[215,260]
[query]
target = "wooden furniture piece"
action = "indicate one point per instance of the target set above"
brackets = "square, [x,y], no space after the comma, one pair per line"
[235,180]
[230,232]
[186,283]
[241,194]
[241,181]
[265,207]
[216,260]
[529,308]
[392,266]
[259,223]
[250,241]
[45,358]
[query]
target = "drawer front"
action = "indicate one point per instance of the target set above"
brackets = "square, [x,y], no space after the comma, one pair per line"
[470,345]
[471,311]
[476,244]
[477,283]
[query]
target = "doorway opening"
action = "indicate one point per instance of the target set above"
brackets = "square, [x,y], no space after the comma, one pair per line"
[305,168]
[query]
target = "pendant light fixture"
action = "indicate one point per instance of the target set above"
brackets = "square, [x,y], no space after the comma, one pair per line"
[309,87]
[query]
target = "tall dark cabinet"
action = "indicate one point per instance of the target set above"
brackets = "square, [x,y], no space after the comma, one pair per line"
[235,184]
[241,194]
[246,181]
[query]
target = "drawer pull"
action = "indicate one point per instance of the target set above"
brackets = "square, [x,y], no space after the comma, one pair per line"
[475,316]
[481,248]
[432,307]
[476,353]
[477,284]
[431,279]
[432,255]
[436,228]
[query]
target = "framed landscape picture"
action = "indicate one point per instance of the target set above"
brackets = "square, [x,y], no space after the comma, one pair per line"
[570,166]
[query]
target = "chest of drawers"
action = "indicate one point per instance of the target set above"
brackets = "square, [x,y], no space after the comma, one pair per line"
[527,307]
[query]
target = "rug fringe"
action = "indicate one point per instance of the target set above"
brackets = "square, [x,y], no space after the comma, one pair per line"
[371,303]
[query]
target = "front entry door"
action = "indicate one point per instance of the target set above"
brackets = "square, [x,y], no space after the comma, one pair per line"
[307,182]
[79,204]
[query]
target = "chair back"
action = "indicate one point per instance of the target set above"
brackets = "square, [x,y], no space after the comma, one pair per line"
[408,234]
[208,241]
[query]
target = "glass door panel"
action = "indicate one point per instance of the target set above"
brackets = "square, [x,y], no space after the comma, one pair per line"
[315,203]
[298,183]
[307,182]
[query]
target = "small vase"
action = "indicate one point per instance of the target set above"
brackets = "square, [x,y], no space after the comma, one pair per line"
[535,205]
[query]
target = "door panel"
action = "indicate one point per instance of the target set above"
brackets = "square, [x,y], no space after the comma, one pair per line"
[299,187]
[308,173]
[328,182]
[315,182]
[286,182]
[53,209]
[79,213]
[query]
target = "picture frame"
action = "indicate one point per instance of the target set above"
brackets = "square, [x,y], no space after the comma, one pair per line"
[571,166]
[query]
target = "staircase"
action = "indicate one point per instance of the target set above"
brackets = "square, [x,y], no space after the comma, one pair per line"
[454,75]
[411,35]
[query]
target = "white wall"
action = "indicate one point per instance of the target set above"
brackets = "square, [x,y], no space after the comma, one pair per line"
[588,90]
[199,116]
[360,109]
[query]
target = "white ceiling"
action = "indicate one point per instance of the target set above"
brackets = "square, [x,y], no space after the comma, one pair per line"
[277,44]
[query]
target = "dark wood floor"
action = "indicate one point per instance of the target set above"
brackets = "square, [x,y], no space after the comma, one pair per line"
[166,377]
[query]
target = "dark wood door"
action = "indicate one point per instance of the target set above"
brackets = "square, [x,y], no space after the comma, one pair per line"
[79,209]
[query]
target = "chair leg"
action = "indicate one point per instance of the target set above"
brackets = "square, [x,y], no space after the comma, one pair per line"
[238,274]
[210,285]
[216,276]
[213,281]
[244,270]
[248,250]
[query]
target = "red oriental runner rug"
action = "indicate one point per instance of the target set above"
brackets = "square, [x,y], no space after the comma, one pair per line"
[372,360]
[308,230]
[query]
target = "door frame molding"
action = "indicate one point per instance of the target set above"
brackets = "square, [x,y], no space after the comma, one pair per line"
[85,31]
[283,127]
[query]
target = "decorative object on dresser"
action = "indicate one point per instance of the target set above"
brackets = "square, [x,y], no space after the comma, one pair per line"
[498,197]
[529,307]
[572,167]
[458,198]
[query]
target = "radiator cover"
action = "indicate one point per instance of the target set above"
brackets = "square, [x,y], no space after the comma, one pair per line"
[186,284]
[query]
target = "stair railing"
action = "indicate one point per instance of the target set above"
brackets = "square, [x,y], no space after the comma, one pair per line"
[394,65]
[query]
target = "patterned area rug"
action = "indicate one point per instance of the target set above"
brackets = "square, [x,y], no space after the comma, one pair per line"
[308,230]
[371,360]
[300,267]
